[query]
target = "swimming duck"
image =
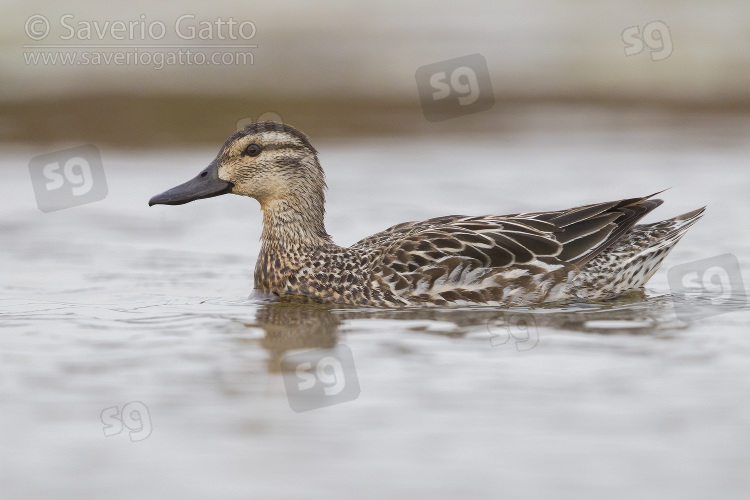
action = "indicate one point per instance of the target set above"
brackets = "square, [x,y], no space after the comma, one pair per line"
[589,252]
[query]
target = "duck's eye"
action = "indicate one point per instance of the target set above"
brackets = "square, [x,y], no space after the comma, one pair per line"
[253,150]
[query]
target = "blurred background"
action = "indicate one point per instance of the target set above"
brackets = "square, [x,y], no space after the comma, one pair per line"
[341,68]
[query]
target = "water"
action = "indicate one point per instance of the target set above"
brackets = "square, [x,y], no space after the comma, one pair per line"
[114,303]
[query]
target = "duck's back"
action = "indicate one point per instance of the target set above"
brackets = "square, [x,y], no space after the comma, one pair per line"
[592,251]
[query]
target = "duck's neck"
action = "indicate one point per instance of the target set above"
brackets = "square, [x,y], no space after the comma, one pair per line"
[293,225]
[292,229]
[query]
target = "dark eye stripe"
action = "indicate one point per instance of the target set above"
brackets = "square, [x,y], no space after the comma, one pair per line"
[271,147]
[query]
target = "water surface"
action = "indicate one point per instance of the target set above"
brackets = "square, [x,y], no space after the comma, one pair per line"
[115,302]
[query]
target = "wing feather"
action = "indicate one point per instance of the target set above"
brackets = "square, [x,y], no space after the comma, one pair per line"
[450,249]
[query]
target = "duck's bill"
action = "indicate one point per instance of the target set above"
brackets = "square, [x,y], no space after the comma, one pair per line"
[205,185]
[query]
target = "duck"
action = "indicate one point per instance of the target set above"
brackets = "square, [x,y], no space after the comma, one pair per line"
[590,252]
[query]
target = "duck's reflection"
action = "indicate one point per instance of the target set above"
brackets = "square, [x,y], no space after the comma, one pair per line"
[291,326]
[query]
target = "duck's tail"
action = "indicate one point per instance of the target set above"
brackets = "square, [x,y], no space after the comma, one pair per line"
[634,259]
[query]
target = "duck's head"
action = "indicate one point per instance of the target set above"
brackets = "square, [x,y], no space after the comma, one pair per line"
[268,161]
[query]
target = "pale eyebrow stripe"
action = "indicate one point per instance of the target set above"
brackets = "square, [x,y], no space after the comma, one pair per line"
[271,137]
[269,141]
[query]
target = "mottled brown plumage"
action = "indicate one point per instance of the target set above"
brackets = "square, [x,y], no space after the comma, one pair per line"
[592,252]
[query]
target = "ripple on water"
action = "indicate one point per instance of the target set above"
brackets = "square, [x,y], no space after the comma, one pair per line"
[101,309]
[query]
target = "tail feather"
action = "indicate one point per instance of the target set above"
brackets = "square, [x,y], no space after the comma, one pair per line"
[648,261]
[634,259]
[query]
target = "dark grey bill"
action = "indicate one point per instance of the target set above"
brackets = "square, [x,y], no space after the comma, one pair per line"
[206,185]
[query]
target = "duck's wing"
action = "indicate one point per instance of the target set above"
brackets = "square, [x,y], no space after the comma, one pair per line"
[567,237]
[587,231]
